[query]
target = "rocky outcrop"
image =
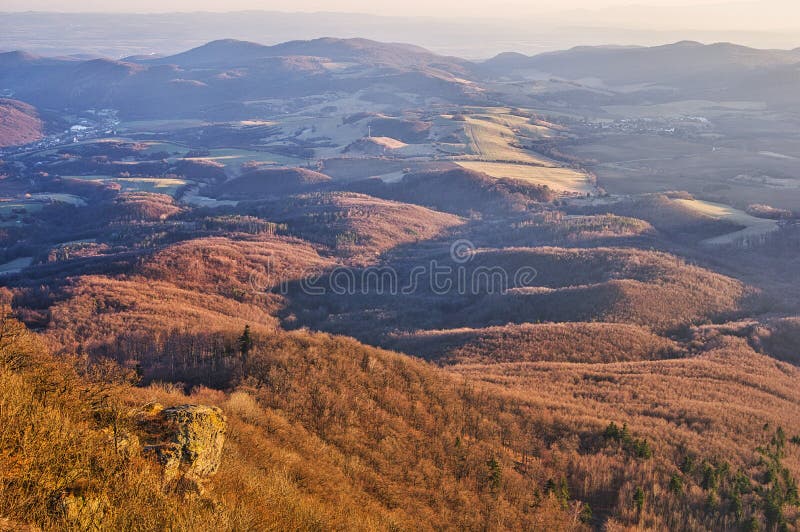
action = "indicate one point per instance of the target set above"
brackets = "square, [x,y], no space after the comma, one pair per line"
[84,513]
[191,441]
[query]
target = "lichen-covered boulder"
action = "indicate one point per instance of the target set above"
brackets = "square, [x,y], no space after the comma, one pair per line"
[84,513]
[199,435]
[187,441]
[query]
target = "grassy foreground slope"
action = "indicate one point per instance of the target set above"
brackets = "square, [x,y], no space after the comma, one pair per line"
[325,433]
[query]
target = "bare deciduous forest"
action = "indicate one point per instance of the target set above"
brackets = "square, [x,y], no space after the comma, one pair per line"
[341,284]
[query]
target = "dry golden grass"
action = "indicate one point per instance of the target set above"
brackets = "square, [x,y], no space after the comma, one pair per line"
[327,433]
[60,467]
[359,440]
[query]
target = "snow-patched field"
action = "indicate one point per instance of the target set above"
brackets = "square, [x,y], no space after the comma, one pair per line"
[754,227]
[15,265]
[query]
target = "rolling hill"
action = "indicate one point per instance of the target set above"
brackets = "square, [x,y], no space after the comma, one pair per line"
[228,53]
[271,182]
[460,191]
[546,342]
[355,225]
[197,81]
[19,123]
[604,284]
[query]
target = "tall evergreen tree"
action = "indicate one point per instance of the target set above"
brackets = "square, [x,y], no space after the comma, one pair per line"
[245,341]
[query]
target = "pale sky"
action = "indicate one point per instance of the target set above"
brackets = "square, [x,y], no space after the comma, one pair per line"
[378,7]
[406,7]
[740,15]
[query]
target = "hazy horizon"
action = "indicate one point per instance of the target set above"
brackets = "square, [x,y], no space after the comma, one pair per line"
[472,30]
[740,15]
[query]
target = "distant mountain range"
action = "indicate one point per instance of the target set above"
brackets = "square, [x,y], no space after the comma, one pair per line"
[685,69]
[529,29]
[230,72]
[658,64]
[227,53]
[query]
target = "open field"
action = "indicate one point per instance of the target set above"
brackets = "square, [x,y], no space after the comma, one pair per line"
[305,127]
[521,125]
[15,265]
[169,147]
[194,198]
[62,198]
[392,177]
[449,134]
[8,207]
[754,227]
[737,171]
[496,138]
[233,158]
[564,180]
[15,210]
[679,108]
[159,126]
[353,169]
[159,185]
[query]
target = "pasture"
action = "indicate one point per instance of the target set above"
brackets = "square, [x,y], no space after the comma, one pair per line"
[159,126]
[564,180]
[13,211]
[158,185]
[9,207]
[61,198]
[498,137]
[234,158]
